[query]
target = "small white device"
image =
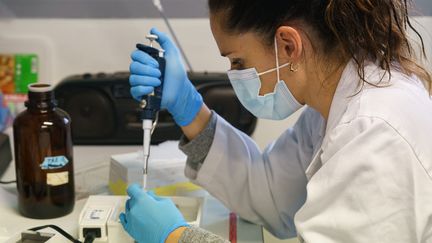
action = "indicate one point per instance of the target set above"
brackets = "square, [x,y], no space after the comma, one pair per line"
[101,216]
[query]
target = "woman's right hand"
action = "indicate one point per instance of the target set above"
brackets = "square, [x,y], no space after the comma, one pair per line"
[179,95]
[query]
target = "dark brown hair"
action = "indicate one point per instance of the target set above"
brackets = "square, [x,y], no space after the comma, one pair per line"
[374,30]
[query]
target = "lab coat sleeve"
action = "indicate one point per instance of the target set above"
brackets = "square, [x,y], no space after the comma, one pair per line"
[371,187]
[197,149]
[264,188]
[198,235]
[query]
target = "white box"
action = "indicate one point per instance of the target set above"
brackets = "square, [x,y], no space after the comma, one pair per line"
[102,212]
[165,167]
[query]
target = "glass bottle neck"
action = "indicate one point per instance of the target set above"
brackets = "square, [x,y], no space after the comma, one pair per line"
[36,109]
[41,101]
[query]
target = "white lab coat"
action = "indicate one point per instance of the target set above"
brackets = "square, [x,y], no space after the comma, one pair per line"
[363,176]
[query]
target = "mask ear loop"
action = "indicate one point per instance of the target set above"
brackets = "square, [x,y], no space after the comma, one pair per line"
[277,59]
[277,63]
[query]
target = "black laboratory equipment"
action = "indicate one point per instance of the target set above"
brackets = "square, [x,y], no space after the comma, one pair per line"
[104,112]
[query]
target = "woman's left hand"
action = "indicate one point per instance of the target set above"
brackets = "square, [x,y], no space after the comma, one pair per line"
[149,218]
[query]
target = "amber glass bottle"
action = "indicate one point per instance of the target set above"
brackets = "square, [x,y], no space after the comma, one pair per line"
[43,156]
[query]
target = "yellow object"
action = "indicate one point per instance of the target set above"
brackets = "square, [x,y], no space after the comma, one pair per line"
[119,188]
[176,189]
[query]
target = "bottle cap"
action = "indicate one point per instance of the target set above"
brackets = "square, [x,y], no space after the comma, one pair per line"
[40,96]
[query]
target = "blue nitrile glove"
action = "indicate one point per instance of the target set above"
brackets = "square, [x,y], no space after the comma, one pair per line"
[179,95]
[149,218]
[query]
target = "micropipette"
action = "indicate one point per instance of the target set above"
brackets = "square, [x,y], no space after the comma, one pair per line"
[151,103]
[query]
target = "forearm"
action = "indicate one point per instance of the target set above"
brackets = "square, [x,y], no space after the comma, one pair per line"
[198,124]
[174,237]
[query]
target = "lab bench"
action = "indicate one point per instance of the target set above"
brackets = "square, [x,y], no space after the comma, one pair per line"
[216,217]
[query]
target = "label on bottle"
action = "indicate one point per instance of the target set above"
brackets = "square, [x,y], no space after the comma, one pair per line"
[57,179]
[55,162]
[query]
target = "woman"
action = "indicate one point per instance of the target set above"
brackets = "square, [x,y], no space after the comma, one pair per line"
[357,165]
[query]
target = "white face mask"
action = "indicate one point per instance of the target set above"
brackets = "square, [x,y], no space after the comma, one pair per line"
[274,106]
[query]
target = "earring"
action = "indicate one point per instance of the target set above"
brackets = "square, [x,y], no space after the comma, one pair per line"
[294,68]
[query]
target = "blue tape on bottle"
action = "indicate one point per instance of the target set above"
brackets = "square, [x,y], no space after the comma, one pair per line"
[55,162]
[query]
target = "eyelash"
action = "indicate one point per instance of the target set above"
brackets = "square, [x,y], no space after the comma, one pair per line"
[238,64]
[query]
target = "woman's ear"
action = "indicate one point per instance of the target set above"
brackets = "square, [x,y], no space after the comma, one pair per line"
[289,43]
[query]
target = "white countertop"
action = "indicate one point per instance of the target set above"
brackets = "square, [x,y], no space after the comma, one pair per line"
[215,218]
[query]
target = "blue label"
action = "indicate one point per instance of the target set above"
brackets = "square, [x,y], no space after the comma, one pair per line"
[54,162]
